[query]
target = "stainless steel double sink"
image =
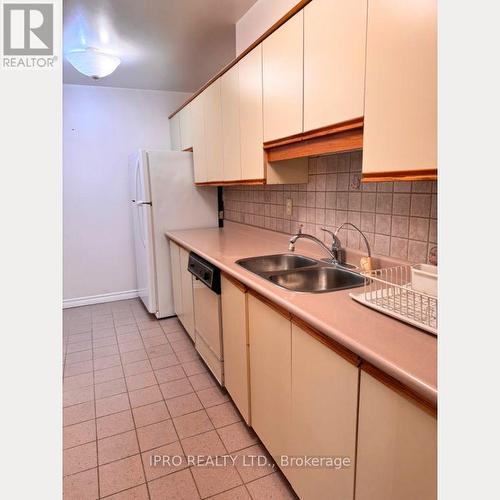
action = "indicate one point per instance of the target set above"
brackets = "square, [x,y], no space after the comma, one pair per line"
[302,274]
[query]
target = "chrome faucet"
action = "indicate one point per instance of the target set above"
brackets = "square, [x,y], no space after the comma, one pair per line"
[300,234]
[358,230]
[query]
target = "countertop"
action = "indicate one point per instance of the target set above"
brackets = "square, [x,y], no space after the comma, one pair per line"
[402,351]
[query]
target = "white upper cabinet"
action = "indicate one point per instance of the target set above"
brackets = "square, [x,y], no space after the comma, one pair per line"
[250,110]
[175,133]
[213,132]
[198,135]
[283,79]
[186,124]
[400,127]
[334,61]
[230,106]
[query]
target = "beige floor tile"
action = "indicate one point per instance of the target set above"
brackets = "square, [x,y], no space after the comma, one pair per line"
[237,436]
[273,486]
[103,332]
[76,357]
[163,460]
[212,396]
[159,350]
[159,339]
[104,342]
[171,325]
[81,486]
[202,381]
[223,414]
[150,414]
[129,337]
[78,368]
[188,355]
[76,396]
[155,435]
[115,424]
[110,388]
[113,404]
[194,367]
[78,381]
[165,361]
[254,462]
[182,345]
[137,367]
[177,486]
[141,380]
[79,413]
[79,346]
[116,447]
[79,337]
[145,396]
[77,434]
[184,404]
[107,362]
[169,374]
[178,335]
[239,493]
[136,493]
[79,458]
[131,346]
[212,479]
[120,475]
[151,332]
[133,356]
[192,424]
[176,388]
[103,352]
[206,444]
[108,374]
[123,329]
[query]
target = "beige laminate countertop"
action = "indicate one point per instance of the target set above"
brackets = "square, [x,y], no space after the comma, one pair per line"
[402,351]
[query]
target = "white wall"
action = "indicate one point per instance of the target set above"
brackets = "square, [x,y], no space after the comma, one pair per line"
[258,19]
[102,126]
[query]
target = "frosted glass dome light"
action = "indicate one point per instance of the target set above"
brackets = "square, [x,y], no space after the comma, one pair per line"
[93,62]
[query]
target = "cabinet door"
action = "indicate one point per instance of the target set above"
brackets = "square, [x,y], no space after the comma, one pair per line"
[397,443]
[186,127]
[231,124]
[175,133]
[282,79]
[324,412]
[213,132]
[235,340]
[334,61]
[176,278]
[400,124]
[251,131]
[187,293]
[270,375]
[198,130]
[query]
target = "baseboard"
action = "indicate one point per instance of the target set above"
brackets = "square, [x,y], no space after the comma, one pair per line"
[99,299]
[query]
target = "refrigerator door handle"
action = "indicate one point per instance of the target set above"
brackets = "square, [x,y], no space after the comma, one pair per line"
[140,202]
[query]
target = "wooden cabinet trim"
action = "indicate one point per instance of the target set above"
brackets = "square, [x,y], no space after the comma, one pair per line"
[425,174]
[271,304]
[400,388]
[232,183]
[327,143]
[235,282]
[298,7]
[339,349]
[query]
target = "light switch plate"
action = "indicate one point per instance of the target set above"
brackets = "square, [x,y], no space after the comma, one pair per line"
[289,206]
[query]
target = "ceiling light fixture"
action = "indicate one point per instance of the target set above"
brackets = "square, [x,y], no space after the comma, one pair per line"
[93,62]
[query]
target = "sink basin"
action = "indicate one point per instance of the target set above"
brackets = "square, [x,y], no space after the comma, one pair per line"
[317,280]
[273,263]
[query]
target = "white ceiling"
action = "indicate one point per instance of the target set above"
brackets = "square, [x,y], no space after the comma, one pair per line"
[164,44]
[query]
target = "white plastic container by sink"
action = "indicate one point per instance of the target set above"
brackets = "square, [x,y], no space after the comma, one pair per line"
[424,279]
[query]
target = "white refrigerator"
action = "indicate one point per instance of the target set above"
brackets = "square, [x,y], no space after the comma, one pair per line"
[163,198]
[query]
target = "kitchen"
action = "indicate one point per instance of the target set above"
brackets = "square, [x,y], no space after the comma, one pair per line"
[251,205]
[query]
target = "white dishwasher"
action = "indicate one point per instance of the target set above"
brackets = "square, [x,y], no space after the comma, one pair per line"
[207,314]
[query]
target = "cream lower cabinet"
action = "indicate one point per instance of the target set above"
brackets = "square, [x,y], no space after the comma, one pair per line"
[270,377]
[235,342]
[182,284]
[323,413]
[397,446]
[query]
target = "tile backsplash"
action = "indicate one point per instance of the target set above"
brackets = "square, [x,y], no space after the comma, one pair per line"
[399,219]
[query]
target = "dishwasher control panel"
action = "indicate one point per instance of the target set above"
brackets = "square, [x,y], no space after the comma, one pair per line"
[204,271]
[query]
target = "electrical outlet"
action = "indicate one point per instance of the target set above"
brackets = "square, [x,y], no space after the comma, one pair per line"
[289,206]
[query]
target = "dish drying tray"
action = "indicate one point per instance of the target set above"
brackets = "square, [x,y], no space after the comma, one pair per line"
[389,291]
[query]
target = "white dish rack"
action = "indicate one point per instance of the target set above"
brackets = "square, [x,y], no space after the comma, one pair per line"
[389,291]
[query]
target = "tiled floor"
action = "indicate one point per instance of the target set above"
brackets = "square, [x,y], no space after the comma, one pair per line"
[134,387]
